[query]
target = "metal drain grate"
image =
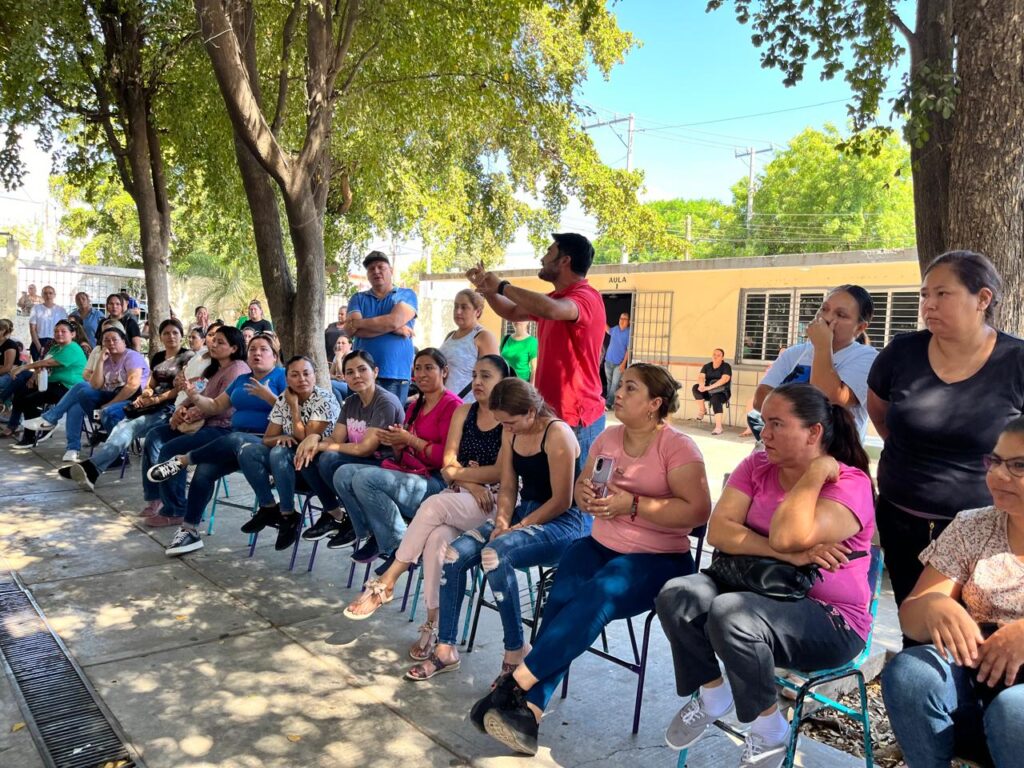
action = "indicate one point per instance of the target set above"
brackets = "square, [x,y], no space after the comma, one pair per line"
[71,726]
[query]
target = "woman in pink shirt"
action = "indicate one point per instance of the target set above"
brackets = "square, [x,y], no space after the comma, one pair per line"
[378,500]
[656,494]
[806,499]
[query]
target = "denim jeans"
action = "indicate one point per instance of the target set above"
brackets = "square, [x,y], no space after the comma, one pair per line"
[18,386]
[594,585]
[163,443]
[319,475]
[340,389]
[397,387]
[755,423]
[377,500]
[586,435]
[78,404]
[936,714]
[6,384]
[613,373]
[536,545]
[212,462]
[112,415]
[259,463]
[122,435]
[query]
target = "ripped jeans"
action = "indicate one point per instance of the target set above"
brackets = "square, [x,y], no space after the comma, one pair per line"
[536,545]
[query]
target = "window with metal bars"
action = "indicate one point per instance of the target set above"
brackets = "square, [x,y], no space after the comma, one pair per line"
[896,312]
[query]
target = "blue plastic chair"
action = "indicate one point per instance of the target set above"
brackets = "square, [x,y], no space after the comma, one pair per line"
[812,680]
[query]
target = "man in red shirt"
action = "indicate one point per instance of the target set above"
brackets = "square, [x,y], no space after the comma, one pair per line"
[570,329]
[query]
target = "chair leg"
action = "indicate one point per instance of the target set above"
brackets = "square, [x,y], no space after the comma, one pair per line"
[408,587]
[351,575]
[869,755]
[642,673]
[476,619]
[124,462]
[416,596]
[796,719]
[681,762]
[565,682]
[253,537]
[476,578]
[303,510]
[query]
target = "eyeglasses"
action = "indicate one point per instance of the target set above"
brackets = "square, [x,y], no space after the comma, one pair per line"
[1015,465]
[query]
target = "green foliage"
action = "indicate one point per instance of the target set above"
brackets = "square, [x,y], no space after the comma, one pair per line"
[99,221]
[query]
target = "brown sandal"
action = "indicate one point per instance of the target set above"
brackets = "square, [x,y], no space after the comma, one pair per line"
[421,651]
[419,672]
[375,590]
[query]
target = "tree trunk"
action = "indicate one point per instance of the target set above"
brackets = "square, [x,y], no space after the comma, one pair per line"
[932,47]
[986,200]
[305,225]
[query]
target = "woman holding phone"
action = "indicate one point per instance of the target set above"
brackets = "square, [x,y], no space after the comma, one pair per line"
[645,485]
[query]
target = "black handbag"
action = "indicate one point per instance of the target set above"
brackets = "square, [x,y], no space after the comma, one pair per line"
[763,575]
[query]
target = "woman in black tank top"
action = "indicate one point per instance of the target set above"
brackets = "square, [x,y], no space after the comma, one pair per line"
[540,451]
[471,470]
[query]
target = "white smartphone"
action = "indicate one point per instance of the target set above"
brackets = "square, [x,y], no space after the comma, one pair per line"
[602,475]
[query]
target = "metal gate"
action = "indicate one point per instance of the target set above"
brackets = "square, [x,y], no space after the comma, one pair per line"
[652,327]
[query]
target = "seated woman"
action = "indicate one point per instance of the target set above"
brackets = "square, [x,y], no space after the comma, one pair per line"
[342,346]
[64,364]
[656,494]
[378,500]
[835,358]
[201,418]
[713,387]
[540,451]
[118,377]
[471,471]
[303,410]
[806,498]
[964,694]
[251,397]
[151,408]
[355,440]
[468,342]
[196,339]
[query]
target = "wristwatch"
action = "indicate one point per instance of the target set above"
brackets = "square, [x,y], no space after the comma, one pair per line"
[502,286]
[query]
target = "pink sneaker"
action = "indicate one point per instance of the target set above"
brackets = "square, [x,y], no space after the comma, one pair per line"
[162,521]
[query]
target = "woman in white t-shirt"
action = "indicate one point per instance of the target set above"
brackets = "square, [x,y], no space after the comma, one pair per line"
[835,358]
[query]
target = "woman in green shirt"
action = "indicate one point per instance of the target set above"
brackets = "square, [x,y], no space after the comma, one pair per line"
[63,365]
[520,351]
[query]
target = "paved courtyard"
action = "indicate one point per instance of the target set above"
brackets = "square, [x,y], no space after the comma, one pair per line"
[217,659]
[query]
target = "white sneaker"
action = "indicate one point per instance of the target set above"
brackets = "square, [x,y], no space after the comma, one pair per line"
[758,754]
[37,424]
[70,456]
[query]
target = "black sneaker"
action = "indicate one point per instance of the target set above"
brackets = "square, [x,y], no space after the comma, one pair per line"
[264,516]
[65,472]
[86,474]
[515,728]
[165,470]
[366,553]
[346,535]
[381,569]
[26,443]
[326,525]
[184,541]
[43,435]
[489,702]
[288,531]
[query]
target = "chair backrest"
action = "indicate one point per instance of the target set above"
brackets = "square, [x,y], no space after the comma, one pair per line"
[698,534]
[875,584]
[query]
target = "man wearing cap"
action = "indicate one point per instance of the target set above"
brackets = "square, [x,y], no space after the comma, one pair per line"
[380,321]
[570,329]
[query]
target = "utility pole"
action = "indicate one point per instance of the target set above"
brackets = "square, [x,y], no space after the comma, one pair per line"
[630,130]
[752,154]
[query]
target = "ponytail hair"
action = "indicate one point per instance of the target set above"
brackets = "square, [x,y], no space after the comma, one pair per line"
[865,306]
[516,397]
[839,436]
[442,362]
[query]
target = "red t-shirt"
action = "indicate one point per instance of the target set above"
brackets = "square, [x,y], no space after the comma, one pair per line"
[569,357]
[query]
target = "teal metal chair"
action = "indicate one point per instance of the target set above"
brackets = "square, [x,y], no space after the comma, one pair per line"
[812,680]
[475,582]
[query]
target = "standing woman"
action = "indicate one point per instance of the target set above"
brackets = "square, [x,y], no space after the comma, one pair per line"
[939,399]
[379,499]
[471,470]
[657,494]
[468,342]
[303,411]
[533,525]
[208,407]
[520,351]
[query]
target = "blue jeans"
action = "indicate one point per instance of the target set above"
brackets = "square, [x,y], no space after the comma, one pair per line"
[537,545]
[6,385]
[212,462]
[756,423]
[78,404]
[397,387]
[613,373]
[259,463]
[586,437]
[163,443]
[936,714]
[18,386]
[377,500]
[122,435]
[319,475]
[340,389]
[594,586]
[112,415]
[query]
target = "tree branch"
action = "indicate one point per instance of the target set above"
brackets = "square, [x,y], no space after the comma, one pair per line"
[907,32]
[282,77]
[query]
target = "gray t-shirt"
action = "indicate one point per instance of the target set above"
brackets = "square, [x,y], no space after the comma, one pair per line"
[382,411]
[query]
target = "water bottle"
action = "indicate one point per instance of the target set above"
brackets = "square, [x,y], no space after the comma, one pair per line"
[42,379]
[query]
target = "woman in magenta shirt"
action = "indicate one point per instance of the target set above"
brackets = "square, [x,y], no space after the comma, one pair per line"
[378,500]
[658,492]
[806,499]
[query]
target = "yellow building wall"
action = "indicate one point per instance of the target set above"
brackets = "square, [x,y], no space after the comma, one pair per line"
[706,301]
